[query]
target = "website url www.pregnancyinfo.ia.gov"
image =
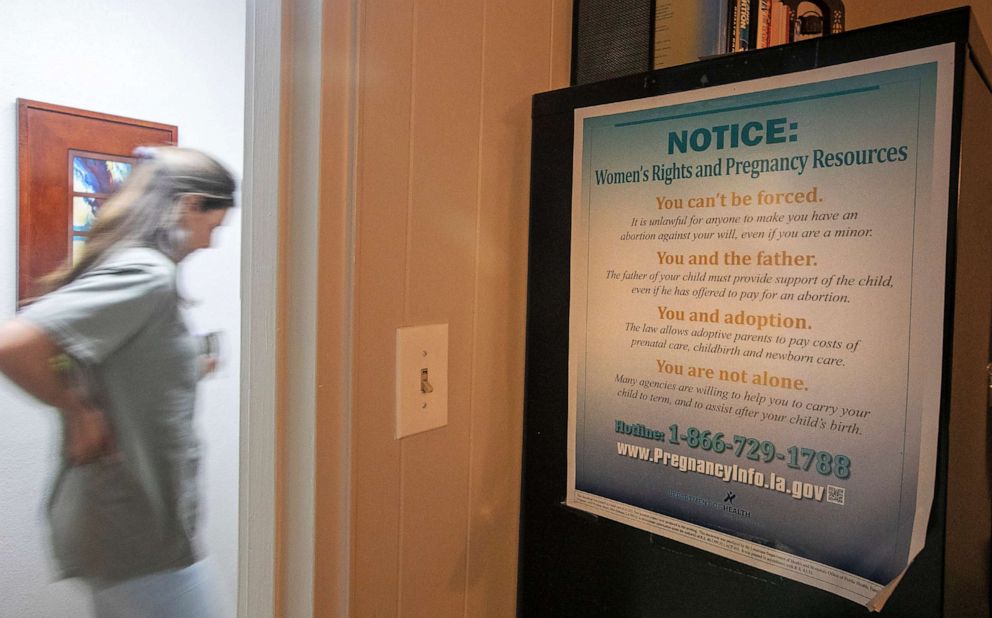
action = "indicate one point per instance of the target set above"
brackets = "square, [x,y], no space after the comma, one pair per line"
[733,473]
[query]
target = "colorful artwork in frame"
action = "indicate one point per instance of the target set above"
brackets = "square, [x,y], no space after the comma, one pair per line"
[95,177]
[70,161]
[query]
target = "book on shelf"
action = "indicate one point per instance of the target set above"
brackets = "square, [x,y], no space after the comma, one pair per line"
[687,30]
[781,23]
[762,23]
[739,29]
[752,23]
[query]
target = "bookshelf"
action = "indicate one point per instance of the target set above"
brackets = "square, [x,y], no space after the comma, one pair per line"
[730,26]
[613,38]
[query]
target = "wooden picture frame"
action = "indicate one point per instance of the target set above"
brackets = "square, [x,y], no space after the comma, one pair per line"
[50,139]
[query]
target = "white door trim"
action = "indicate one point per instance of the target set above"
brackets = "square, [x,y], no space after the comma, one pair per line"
[259,269]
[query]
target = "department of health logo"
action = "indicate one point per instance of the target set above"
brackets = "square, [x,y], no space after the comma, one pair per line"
[727,505]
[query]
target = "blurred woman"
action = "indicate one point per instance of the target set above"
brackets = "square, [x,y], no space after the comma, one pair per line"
[109,349]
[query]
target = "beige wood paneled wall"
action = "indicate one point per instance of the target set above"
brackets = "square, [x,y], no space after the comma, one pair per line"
[862,13]
[441,156]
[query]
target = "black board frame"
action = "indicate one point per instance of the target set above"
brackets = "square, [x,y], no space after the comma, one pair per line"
[575,564]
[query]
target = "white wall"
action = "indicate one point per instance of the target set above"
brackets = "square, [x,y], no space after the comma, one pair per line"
[179,62]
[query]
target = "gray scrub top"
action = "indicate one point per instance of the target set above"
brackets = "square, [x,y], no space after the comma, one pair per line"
[133,513]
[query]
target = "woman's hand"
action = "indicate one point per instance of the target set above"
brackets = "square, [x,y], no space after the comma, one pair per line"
[87,436]
[33,361]
[208,364]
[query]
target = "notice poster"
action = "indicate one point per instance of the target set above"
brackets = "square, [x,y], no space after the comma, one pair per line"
[756,318]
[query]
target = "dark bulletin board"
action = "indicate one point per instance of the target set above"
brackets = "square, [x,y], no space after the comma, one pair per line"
[574,564]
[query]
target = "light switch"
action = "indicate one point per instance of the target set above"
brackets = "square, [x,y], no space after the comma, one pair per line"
[421,378]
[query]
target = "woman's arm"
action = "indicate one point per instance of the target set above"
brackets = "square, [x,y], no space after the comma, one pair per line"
[29,358]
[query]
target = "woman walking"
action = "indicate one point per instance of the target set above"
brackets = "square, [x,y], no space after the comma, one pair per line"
[109,349]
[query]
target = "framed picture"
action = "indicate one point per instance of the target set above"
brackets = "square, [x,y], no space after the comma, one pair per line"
[69,162]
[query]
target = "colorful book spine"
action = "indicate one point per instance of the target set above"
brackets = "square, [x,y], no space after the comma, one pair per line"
[763,23]
[732,21]
[781,23]
[744,31]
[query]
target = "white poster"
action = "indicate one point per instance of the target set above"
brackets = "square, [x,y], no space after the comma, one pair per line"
[756,320]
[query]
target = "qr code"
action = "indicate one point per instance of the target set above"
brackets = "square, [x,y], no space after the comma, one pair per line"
[835,495]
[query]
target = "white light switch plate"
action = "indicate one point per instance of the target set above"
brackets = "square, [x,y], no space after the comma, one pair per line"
[421,365]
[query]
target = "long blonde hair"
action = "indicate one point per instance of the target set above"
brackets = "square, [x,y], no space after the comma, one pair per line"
[145,211]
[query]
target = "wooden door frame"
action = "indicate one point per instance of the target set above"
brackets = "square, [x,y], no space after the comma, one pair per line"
[297,250]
